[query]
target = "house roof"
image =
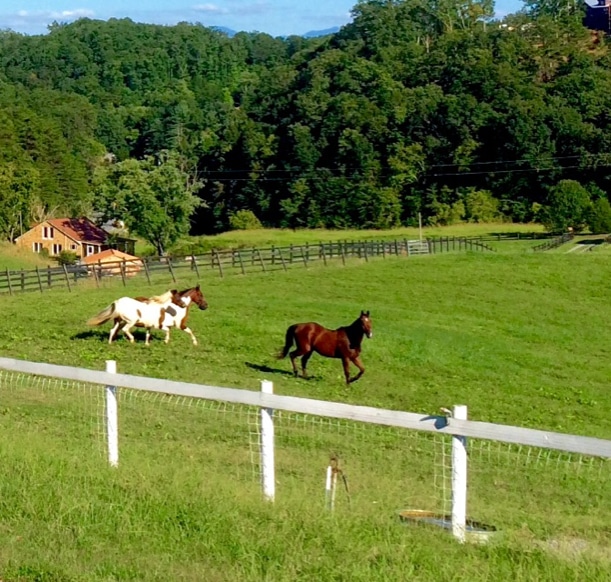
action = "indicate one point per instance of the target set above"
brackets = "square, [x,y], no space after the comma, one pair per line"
[80,229]
[108,255]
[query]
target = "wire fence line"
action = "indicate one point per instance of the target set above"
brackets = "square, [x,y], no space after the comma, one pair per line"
[227,262]
[353,458]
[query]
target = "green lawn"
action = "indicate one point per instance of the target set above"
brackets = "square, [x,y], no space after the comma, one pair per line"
[279,237]
[520,338]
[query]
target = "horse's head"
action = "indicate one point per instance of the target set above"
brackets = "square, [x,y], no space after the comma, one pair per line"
[196,296]
[365,322]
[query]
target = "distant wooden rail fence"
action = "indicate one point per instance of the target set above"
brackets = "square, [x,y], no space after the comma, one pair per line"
[554,242]
[230,261]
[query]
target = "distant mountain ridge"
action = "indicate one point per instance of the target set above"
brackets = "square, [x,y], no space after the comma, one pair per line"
[310,34]
[324,32]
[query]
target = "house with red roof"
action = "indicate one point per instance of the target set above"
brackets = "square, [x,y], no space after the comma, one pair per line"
[77,235]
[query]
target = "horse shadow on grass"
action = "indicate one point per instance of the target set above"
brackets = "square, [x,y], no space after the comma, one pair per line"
[269,370]
[102,336]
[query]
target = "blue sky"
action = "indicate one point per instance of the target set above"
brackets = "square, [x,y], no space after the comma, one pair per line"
[276,17]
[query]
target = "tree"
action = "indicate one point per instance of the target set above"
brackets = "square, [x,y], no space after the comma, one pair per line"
[153,196]
[568,205]
[17,189]
[599,217]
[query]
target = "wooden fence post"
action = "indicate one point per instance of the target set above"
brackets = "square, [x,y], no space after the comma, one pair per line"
[146,269]
[282,258]
[218,259]
[241,261]
[67,278]
[169,259]
[39,279]
[122,269]
[303,257]
[8,278]
[194,265]
[261,260]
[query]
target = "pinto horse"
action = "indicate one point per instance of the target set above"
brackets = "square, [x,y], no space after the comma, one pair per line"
[344,342]
[161,312]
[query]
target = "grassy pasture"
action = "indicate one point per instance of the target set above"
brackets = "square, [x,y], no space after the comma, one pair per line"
[279,237]
[519,338]
[14,258]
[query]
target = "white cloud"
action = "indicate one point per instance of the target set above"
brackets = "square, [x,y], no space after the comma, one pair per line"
[210,9]
[36,21]
[38,15]
[235,10]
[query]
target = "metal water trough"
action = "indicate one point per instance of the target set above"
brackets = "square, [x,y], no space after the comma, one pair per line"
[475,531]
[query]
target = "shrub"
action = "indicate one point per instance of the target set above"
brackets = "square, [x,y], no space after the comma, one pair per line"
[481,206]
[67,258]
[244,220]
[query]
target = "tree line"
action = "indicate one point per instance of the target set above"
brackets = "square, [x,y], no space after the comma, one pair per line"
[427,107]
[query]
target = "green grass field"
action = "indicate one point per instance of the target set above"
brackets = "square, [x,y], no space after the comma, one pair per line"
[520,338]
[280,237]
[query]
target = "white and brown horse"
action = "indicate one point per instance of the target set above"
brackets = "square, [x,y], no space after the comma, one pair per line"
[160,312]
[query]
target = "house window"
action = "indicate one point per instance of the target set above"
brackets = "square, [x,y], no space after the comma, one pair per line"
[37,247]
[47,232]
[73,247]
[90,250]
[57,249]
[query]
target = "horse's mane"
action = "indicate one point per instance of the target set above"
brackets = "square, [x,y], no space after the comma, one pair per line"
[156,298]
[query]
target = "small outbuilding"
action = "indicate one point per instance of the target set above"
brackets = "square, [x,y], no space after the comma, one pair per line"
[113,262]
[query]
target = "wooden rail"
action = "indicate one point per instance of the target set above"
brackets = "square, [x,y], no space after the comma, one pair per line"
[225,262]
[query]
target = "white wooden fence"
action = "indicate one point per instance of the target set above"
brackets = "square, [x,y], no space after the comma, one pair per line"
[453,423]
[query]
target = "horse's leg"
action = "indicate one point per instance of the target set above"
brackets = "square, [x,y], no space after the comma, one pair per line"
[346,365]
[147,337]
[294,355]
[357,362]
[304,363]
[114,331]
[126,331]
[193,338]
[166,329]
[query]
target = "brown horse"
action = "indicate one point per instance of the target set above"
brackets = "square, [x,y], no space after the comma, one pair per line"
[344,342]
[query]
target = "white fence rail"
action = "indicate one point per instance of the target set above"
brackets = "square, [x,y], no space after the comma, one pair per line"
[454,424]
[432,423]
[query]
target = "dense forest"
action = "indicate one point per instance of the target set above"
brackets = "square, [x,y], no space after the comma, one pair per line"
[416,106]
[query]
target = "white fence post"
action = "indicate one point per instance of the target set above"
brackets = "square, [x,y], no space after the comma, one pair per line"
[267,446]
[328,490]
[112,421]
[459,477]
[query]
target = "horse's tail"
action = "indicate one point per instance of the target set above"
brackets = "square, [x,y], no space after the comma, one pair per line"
[288,342]
[103,316]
